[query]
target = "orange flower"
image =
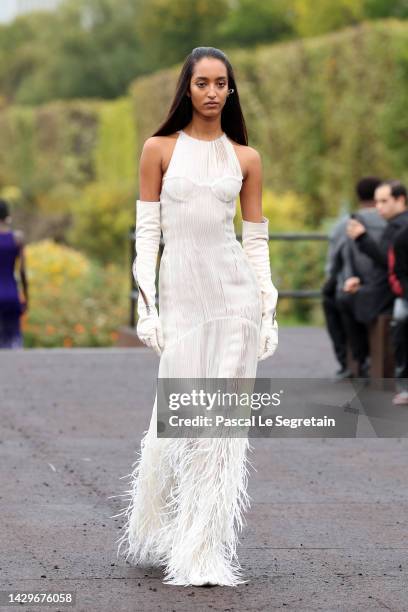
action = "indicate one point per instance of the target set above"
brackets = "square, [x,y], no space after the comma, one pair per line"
[50,329]
[68,341]
[114,335]
[79,328]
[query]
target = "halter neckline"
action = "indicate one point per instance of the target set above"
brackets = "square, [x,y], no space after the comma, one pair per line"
[200,139]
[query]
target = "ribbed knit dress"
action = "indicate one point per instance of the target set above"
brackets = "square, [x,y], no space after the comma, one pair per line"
[187,497]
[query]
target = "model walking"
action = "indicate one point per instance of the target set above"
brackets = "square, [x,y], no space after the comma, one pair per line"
[217,304]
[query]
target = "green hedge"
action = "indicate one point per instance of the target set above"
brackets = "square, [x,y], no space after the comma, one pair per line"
[322,111]
[69,165]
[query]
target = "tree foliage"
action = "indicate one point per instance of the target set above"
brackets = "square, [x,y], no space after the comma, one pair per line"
[96,48]
[312,18]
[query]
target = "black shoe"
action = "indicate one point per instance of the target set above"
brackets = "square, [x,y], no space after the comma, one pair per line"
[364,369]
[343,373]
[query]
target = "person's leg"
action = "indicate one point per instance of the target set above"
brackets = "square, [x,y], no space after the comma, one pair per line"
[357,333]
[399,331]
[335,329]
[10,329]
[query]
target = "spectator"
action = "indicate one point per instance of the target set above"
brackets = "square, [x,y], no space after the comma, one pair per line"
[398,268]
[11,248]
[342,263]
[378,297]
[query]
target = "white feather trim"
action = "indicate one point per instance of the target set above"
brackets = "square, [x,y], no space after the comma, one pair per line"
[186,505]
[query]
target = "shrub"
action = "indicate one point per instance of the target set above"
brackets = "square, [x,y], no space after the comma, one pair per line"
[73,300]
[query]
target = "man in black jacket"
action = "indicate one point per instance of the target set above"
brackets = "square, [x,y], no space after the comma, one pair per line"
[376,297]
[399,266]
[340,265]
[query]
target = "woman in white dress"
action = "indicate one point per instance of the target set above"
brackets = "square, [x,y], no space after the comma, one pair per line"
[217,304]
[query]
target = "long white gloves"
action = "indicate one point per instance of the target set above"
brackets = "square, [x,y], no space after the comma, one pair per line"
[148,327]
[255,236]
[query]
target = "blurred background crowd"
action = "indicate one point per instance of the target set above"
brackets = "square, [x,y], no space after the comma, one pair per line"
[367,277]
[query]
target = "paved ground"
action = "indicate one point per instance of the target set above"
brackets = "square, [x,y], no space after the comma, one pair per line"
[329,520]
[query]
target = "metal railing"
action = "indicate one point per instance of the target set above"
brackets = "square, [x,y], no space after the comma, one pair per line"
[293,293]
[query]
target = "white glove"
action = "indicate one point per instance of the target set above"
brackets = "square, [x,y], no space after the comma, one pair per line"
[148,327]
[255,237]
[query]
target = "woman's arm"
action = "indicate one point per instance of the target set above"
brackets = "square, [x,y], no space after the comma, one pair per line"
[251,191]
[150,170]
[255,243]
[147,244]
[19,236]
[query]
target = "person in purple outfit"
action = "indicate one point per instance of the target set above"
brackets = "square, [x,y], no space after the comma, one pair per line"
[11,308]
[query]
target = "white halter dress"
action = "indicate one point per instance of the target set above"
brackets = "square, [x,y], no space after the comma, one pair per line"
[187,497]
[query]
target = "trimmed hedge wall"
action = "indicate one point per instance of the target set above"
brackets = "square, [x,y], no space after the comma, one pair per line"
[322,111]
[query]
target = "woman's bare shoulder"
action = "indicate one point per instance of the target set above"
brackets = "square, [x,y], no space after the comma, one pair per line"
[246,150]
[247,156]
[160,149]
[157,142]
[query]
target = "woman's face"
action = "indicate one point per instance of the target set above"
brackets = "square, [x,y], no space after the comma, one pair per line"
[209,83]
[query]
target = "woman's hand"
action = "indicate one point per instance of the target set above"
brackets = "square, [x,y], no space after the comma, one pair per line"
[150,332]
[268,339]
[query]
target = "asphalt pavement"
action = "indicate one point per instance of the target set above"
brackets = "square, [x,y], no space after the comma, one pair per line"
[328,526]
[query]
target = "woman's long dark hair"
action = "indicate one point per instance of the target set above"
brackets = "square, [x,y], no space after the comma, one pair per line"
[181,110]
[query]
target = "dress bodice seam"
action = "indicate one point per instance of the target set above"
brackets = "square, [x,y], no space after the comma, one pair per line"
[205,183]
